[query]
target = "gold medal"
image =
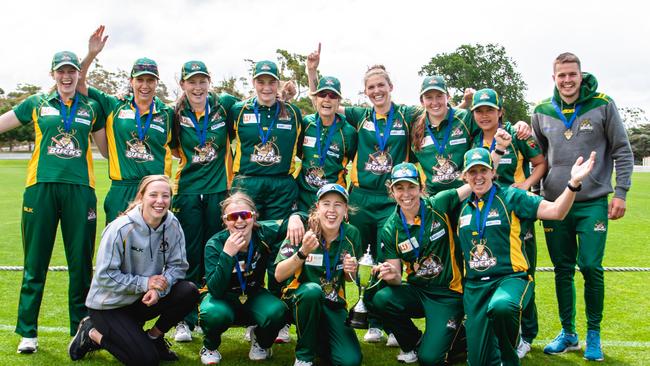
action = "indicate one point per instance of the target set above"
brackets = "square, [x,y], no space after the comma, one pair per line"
[243,298]
[328,288]
[416,266]
[568,134]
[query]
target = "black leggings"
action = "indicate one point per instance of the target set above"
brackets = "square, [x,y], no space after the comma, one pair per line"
[122,331]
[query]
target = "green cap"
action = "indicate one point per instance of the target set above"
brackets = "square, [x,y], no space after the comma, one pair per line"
[477,156]
[332,187]
[435,82]
[191,68]
[144,66]
[404,172]
[65,58]
[266,68]
[487,97]
[329,83]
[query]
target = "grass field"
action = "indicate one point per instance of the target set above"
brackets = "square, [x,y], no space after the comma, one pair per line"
[625,333]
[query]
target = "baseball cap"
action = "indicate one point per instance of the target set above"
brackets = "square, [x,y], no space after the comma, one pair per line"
[487,97]
[329,83]
[477,156]
[266,68]
[404,172]
[191,68]
[435,82]
[332,187]
[144,66]
[65,58]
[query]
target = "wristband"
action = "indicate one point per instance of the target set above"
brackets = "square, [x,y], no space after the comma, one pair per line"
[572,188]
[301,255]
[499,152]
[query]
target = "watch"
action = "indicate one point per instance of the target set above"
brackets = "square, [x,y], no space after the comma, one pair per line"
[572,188]
[301,255]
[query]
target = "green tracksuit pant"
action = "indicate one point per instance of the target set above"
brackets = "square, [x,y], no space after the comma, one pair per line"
[529,321]
[274,196]
[121,193]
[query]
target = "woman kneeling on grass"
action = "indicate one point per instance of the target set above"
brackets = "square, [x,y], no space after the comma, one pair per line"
[140,266]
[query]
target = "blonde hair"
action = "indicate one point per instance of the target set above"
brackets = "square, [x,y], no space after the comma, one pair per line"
[144,183]
[241,198]
[378,70]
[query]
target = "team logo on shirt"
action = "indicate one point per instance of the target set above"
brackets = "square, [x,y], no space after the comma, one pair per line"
[92,214]
[397,123]
[266,154]
[585,125]
[287,249]
[204,154]
[493,213]
[531,143]
[528,235]
[315,177]
[600,227]
[379,162]
[481,258]
[446,171]
[428,268]
[64,145]
[83,112]
[456,132]
[138,150]
[335,147]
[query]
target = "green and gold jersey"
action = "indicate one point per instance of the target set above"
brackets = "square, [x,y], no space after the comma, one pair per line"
[432,261]
[372,165]
[499,251]
[136,152]
[514,164]
[204,167]
[61,155]
[318,170]
[272,150]
[314,268]
[442,159]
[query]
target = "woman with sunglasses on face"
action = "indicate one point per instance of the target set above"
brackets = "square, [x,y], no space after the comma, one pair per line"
[200,139]
[316,272]
[138,128]
[138,277]
[60,186]
[497,285]
[236,261]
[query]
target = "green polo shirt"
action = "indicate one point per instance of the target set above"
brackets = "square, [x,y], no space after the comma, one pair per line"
[443,170]
[129,158]
[220,273]
[341,151]
[502,252]
[276,157]
[60,156]
[314,269]
[204,169]
[439,265]
[371,167]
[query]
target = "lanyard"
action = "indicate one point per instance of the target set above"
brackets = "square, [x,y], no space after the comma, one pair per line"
[480,224]
[265,136]
[441,146]
[322,153]
[494,140]
[68,117]
[328,269]
[382,140]
[567,123]
[240,277]
[408,232]
[201,131]
[142,130]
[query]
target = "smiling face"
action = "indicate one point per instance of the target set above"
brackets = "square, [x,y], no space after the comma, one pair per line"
[479,178]
[327,103]
[266,88]
[407,196]
[378,90]
[435,102]
[568,77]
[196,90]
[240,223]
[331,210]
[66,78]
[487,117]
[155,202]
[144,88]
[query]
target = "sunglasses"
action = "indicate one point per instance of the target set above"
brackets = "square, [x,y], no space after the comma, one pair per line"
[329,94]
[145,67]
[244,215]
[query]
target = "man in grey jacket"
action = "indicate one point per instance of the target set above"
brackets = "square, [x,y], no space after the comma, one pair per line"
[576,120]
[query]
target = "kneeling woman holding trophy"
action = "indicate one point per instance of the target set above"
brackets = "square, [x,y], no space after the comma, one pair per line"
[317,271]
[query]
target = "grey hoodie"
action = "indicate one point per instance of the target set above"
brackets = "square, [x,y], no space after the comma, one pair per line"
[130,252]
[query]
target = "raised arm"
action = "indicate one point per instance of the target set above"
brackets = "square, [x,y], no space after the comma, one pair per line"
[96,44]
[312,73]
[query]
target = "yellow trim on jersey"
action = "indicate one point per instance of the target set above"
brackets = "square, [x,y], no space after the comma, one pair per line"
[517,257]
[168,158]
[456,279]
[236,164]
[354,175]
[181,166]
[228,161]
[114,171]
[33,161]
[519,175]
[90,163]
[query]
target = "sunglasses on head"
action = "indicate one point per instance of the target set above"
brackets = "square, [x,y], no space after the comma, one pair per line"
[233,216]
[330,94]
[145,67]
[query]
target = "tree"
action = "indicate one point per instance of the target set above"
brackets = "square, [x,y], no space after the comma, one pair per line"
[633,117]
[482,66]
[23,133]
[640,141]
[229,85]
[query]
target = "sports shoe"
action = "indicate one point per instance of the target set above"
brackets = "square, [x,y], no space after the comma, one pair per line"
[283,335]
[257,353]
[210,357]
[249,331]
[162,346]
[391,341]
[183,333]
[593,351]
[523,348]
[302,363]
[27,345]
[407,357]
[373,335]
[562,343]
[81,343]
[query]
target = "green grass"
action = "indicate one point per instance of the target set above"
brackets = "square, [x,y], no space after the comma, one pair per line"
[626,326]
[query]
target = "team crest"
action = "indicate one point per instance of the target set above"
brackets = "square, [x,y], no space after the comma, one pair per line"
[585,125]
[92,214]
[329,82]
[481,257]
[456,132]
[528,235]
[429,268]
[435,225]
[83,112]
[493,213]
[484,96]
[452,324]
[266,154]
[600,226]
[287,249]
[64,145]
[138,150]
[315,177]
[158,120]
[397,123]
[446,171]
[204,154]
[379,163]
[334,147]
[265,67]
[330,288]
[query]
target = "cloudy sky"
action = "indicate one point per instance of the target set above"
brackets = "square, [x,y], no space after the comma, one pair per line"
[610,37]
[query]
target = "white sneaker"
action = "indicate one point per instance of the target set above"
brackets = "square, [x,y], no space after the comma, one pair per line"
[373,335]
[523,348]
[28,345]
[248,333]
[392,341]
[257,353]
[407,357]
[210,357]
[283,335]
[302,363]
[183,333]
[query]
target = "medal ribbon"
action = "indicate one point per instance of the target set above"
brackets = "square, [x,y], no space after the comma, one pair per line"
[382,140]
[68,117]
[240,277]
[265,136]
[494,140]
[201,131]
[142,131]
[408,232]
[441,146]
[322,153]
[567,123]
[328,269]
[480,223]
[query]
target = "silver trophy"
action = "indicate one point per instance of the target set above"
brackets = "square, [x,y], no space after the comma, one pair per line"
[358,317]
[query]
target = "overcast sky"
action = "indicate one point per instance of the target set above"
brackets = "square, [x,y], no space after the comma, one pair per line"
[610,37]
